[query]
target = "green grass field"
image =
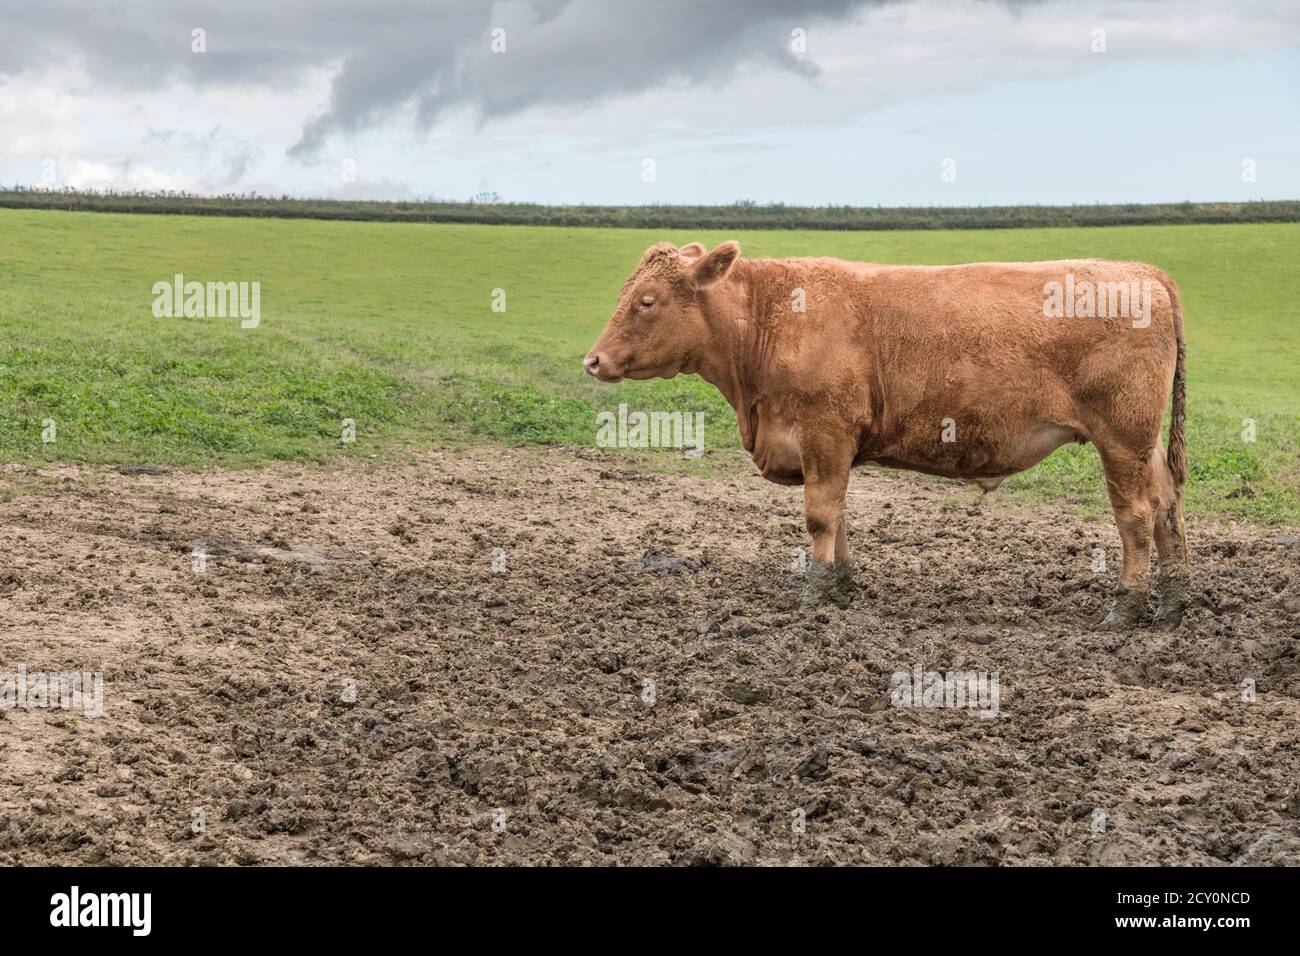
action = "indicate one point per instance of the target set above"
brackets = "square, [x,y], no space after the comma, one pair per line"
[391,325]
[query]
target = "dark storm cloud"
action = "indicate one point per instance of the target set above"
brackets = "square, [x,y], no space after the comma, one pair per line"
[572,53]
[431,56]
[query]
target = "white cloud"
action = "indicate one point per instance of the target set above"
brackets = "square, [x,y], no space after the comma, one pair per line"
[83,175]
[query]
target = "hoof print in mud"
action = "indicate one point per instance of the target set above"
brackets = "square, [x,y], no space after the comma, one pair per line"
[827,582]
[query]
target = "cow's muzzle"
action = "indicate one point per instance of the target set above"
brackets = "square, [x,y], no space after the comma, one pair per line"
[601,369]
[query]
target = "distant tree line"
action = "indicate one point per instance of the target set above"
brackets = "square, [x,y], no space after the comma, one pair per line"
[744,214]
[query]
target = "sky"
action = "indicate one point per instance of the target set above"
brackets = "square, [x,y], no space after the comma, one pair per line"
[882,102]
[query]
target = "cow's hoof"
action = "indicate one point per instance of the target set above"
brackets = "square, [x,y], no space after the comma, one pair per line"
[1175,596]
[1128,610]
[827,582]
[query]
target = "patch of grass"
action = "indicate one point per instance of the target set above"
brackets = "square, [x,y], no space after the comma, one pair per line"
[391,325]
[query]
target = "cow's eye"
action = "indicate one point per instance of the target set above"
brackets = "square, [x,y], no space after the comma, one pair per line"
[647,301]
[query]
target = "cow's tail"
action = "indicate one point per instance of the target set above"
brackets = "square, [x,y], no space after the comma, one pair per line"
[1176,455]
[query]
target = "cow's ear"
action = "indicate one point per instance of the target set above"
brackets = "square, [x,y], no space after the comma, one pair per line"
[692,250]
[715,266]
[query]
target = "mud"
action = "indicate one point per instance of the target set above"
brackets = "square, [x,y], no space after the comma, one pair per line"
[557,660]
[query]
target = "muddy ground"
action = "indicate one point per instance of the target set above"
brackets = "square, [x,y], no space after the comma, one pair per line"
[627,680]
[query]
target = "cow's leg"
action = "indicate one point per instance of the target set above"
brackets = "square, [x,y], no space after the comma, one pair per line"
[1130,482]
[826,466]
[1174,581]
[842,539]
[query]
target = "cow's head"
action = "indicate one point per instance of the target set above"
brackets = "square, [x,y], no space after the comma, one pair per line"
[658,326]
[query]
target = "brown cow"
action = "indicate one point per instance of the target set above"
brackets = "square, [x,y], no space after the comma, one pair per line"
[974,371]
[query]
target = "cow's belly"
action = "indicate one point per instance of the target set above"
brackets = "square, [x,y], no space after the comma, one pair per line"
[983,458]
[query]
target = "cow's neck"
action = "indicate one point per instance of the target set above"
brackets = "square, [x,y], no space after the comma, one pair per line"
[737,358]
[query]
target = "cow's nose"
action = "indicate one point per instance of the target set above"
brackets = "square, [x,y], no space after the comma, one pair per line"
[591,363]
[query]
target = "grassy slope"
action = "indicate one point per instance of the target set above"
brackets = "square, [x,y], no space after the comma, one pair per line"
[391,325]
